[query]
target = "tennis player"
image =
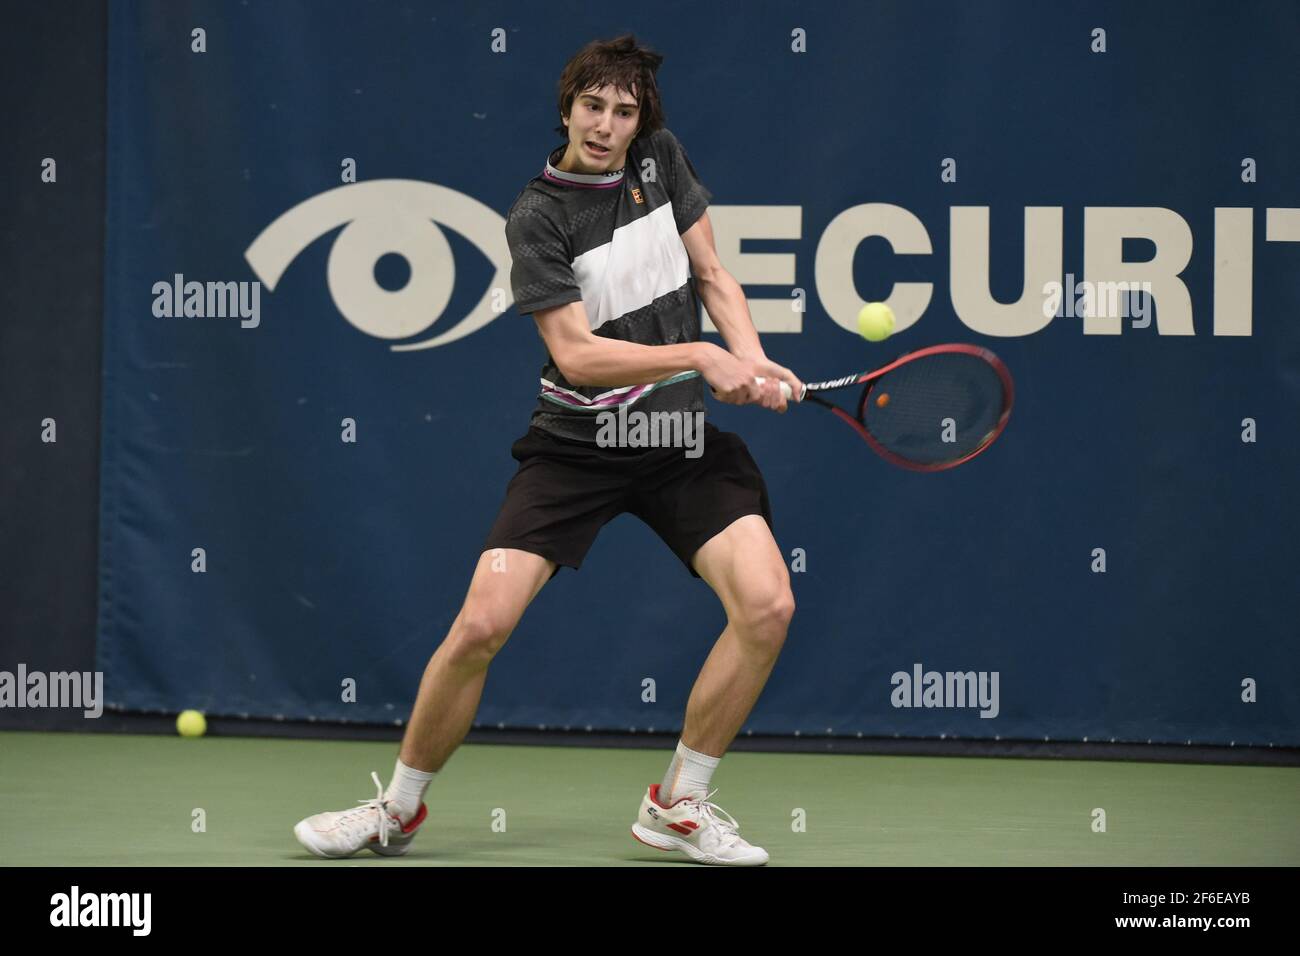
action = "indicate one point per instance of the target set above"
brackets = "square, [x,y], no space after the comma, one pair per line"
[612,250]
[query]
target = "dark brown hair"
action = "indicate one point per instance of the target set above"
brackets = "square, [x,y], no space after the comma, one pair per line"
[625,64]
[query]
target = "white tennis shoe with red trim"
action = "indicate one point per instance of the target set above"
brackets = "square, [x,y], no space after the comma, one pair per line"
[339,833]
[694,826]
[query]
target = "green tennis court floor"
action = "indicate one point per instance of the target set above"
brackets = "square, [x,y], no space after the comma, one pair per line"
[106,800]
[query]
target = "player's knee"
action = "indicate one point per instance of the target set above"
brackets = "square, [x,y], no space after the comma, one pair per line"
[785,607]
[780,612]
[478,635]
[765,618]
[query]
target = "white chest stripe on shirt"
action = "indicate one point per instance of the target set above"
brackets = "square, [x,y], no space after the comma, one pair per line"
[642,261]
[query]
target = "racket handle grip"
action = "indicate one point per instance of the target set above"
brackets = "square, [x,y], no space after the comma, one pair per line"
[785,387]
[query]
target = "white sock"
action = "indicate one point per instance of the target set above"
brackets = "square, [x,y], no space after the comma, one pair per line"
[406,792]
[688,774]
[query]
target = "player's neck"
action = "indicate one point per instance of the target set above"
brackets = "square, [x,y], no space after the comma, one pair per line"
[570,163]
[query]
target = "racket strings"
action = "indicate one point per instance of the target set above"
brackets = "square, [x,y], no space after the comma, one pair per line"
[937,409]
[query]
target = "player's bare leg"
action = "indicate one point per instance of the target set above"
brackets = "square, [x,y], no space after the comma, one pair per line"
[744,567]
[504,584]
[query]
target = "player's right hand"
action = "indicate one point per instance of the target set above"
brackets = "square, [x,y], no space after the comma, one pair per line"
[729,378]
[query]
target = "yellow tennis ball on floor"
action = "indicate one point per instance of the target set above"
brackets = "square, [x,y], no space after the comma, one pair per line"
[191,723]
[876,322]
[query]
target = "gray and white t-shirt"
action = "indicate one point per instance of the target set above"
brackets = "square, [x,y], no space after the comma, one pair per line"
[613,241]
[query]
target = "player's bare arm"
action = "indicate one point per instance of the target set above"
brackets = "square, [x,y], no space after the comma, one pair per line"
[726,305]
[587,359]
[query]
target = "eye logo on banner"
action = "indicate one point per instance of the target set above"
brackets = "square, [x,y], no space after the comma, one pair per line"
[390,216]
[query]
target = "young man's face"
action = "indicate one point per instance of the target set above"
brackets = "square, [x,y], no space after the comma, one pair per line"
[600,117]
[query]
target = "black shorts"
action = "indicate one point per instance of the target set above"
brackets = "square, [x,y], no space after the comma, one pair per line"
[565,491]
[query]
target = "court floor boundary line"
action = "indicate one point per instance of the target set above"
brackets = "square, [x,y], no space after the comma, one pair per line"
[118,722]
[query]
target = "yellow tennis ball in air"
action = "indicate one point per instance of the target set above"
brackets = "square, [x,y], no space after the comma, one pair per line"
[876,322]
[191,723]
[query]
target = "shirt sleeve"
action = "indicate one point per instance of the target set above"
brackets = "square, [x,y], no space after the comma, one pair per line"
[689,196]
[541,270]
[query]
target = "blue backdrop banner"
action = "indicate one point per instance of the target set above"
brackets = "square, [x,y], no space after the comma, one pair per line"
[313,373]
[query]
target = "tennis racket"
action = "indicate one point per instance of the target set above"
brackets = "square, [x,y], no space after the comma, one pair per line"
[928,410]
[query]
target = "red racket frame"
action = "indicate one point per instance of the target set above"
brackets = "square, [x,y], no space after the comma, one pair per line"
[870,378]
